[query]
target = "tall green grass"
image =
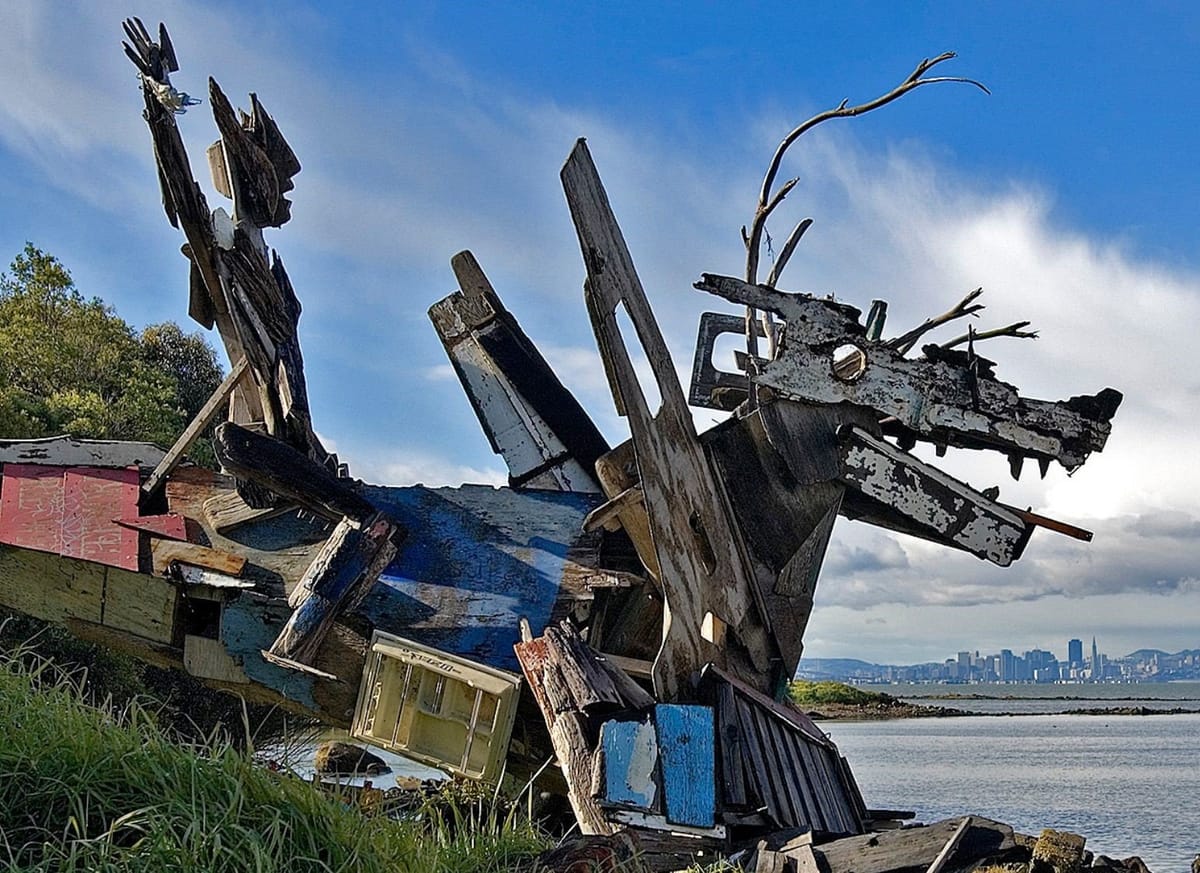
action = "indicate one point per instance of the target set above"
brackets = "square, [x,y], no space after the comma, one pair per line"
[101,788]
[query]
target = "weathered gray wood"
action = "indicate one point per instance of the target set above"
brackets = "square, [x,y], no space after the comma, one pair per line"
[66,451]
[915,848]
[228,511]
[531,420]
[935,505]
[285,471]
[575,758]
[589,684]
[199,423]
[336,581]
[951,844]
[694,541]
[940,398]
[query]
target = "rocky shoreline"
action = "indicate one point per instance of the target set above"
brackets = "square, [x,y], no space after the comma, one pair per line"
[879,711]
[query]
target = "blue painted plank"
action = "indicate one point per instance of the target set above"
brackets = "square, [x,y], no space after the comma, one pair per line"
[630,753]
[685,743]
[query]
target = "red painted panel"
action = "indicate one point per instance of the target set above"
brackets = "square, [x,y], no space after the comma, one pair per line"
[92,498]
[31,507]
[170,525]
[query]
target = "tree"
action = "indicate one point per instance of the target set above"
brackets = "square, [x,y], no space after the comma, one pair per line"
[71,365]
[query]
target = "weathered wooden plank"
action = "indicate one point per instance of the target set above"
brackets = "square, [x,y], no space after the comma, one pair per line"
[635,818]
[951,844]
[759,775]
[915,848]
[31,507]
[934,503]
[92,498]
[630,757]
[730,747]
[338,579]
[66,451]
[531,420]
[694,541]
[228,511]
[589,684]
[50,587]
[779,775]
[575,758]
[166,552]
[685,741]
[169,525]
[202,577]
[199,423]
[140,605]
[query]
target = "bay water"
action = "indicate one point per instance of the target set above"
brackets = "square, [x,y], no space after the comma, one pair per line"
[1130,784]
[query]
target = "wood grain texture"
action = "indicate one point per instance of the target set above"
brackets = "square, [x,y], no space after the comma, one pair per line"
[166,552]
[696,545]
[685,741]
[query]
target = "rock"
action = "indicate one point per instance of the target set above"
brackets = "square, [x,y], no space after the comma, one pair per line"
[346,759]
[1057,852]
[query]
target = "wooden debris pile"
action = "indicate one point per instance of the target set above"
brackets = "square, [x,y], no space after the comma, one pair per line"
[654,595]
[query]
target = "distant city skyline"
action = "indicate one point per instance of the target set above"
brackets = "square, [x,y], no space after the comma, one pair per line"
[1081,663]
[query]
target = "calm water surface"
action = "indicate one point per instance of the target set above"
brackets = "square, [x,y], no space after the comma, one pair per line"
[1130,784]
[1034,699]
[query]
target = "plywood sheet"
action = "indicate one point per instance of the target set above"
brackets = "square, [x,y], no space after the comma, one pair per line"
[142,605]
[92,498]
[31,507]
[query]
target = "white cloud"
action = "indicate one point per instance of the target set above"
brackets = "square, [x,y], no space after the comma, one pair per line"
[404,170]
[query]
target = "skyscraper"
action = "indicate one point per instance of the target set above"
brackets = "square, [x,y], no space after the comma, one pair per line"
[1075,653]
[1095,660]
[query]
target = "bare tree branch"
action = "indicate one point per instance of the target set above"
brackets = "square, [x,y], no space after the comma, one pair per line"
[1014,330]
[904,343]
[785,253]
[767,202]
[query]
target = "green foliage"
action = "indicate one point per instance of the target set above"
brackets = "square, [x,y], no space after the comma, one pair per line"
[806,693]
[71,365]
[104,789]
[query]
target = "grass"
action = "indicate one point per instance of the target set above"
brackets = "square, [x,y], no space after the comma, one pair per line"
[102,788]
[805,693]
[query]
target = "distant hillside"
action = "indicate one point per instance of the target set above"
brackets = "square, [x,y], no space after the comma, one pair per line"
[1145,655]
[835,668]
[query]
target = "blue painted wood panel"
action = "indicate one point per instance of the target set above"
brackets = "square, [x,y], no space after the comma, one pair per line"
[685,748]
[476,559]
[630,753]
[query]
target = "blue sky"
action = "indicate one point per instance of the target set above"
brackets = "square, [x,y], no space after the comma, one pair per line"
[1071,194]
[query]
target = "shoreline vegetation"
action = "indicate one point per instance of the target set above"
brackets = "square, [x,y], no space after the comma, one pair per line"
[836,701]
[110,788]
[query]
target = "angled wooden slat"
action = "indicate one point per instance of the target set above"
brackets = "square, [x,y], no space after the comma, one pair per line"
[694,539]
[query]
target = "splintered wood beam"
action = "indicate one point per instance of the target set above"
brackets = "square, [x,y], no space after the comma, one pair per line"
[191,433]
[337,580]
[280,468]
